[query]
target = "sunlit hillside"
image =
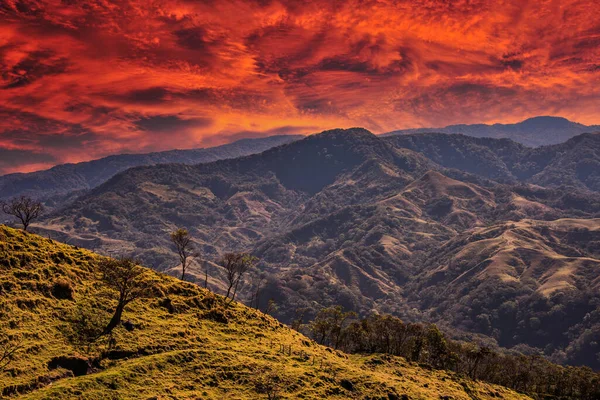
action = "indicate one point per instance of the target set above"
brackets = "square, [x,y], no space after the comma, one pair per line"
[182,342]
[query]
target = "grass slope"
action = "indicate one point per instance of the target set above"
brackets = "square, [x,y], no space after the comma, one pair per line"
[182,352]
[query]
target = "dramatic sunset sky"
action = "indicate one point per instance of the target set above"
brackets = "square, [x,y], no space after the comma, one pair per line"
[84,79]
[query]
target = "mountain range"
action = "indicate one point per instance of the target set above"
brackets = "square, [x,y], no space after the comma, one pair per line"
[485,237]
[533,132]
[62,183]
[58,184]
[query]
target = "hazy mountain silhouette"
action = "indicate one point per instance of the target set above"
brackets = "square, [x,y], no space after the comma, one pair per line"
[533,132]
[63,180]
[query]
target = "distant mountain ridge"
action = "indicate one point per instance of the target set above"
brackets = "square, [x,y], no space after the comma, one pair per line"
[532,132]
[67,179]
[574,163]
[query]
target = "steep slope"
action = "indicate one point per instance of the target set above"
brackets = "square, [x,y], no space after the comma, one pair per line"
[492,158]
[182,342]
[361,255]
[574,163]
[545,281]
[293,206]
[533,132]
[60,181]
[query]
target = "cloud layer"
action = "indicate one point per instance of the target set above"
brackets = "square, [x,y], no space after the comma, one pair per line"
[83,79]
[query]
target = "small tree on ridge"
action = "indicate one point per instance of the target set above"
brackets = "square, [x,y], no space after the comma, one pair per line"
[184,246]
[125,276]
[236,265]
[24,209]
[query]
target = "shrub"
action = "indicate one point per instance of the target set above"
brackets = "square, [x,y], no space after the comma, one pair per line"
[62,290]
[217,314]
[85,326]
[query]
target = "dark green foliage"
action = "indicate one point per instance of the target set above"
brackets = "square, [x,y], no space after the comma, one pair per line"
[124,276]
[85,325]
[329,326]
[428,346]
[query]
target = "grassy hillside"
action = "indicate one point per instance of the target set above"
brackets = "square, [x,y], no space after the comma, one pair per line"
[184,344]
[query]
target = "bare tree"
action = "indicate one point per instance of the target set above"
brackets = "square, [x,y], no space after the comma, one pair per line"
[185,248]
[236,265]
[125,276]
[24,209]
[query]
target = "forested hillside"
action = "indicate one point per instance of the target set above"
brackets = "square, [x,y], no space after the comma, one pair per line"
[533,132]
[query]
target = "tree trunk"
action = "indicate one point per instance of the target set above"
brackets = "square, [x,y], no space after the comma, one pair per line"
[183,267]
[115,320]
[234,291]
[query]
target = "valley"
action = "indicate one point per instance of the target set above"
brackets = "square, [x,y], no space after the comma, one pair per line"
[379,224]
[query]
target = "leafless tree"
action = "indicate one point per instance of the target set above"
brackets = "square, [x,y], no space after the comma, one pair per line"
[24,209]
[236,265]
[205,274]
[125,276]
[185,248]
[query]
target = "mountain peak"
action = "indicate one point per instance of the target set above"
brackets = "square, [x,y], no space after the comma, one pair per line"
[354,130]
[346,134]
[532,132]
[546,121]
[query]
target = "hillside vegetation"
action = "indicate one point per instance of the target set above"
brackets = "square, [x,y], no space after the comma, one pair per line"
[348,218]
[574,163]
[179,341]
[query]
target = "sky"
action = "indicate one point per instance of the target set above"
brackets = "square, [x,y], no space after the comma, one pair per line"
[84,79]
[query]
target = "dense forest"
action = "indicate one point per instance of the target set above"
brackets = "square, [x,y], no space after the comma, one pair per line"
[428,346]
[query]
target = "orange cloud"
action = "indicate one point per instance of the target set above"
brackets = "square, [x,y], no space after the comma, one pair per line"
[81,80]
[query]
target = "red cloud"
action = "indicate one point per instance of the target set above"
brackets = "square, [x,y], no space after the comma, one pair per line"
[81,80]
